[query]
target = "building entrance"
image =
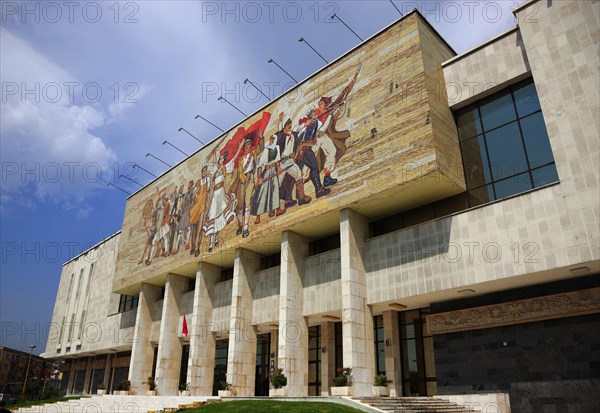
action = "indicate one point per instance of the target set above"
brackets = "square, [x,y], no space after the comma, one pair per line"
[263,357]
[185,355]
[416,350]
[220,372]
[314,361]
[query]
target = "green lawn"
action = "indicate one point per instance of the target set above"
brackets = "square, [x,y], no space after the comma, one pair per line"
[30,403]
[268,406]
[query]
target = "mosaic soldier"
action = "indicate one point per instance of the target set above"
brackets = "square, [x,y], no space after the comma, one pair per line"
[221,210]
[198,210]
[243,185]
[288,142]
[330,141]
[183,226]
[266,195]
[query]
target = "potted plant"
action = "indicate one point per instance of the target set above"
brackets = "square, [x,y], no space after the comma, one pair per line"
[225,389]
[342,382]
[278,381]
[101,389]
[151,386]
[184,389]
[126,385]
[380,386]
[118,389]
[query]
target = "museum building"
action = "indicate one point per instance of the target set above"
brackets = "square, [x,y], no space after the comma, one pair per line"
[404,211]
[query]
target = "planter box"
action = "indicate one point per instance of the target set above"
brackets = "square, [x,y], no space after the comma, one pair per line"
[150,392]
[101,392]
[184,392]
[225,393]
[116,392]
[278,392]
[381,391]
[124,393]
[341,391]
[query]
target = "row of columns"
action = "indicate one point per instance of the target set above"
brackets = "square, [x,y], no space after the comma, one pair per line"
[292,339]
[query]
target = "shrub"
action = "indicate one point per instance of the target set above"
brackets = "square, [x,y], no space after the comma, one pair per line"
[381,380]
[126,384]
[184,386]
[102,386]
[225,385]
[343,378]
[151,383]
[278,379]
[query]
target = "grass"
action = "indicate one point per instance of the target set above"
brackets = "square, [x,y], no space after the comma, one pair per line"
[30,403]
[272,406]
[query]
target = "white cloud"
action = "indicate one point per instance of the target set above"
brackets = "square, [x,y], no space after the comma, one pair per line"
[49,148]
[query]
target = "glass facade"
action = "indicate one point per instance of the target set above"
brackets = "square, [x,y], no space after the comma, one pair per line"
[504,144]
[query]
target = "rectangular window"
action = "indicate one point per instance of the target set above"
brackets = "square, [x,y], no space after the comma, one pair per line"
[270,261]
[504,144]
[226,274]
[127,302]
[191,284]
[322,245]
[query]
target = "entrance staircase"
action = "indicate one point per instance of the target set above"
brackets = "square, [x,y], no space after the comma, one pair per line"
[415,405]
[118,404]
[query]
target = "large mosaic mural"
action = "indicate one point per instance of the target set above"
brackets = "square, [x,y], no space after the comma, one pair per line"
[339,137]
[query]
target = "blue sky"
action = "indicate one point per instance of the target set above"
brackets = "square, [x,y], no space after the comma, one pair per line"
[88,88]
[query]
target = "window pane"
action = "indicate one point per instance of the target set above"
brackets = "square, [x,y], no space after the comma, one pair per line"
[312,372]
[526,99]
[380,360]
[468,123]
[505,148]
[545,175]
[514,185]
[536,140]
[481,195]
[477,171]
[497,110]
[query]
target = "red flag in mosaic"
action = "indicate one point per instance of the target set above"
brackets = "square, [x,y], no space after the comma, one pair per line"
[254,131]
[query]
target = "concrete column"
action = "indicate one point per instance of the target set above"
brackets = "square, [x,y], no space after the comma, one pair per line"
[168,363]
[71,377]
[328,358]
[201,365]
[293,328]
[87,381]
[142,352]
[357,317]
[107,371]
[393,363]
[241,359]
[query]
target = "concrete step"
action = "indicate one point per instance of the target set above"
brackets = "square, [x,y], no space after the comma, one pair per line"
[414,405]
[118,404]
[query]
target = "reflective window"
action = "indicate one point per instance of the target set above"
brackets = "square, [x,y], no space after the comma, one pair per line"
[504,144]
[497,110]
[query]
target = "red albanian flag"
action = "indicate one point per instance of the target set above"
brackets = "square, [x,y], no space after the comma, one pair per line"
[184,330]
[233,144]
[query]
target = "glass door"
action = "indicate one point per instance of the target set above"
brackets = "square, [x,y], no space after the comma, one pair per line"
[220,374]
[263,356]
[418,363]
[314,361]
